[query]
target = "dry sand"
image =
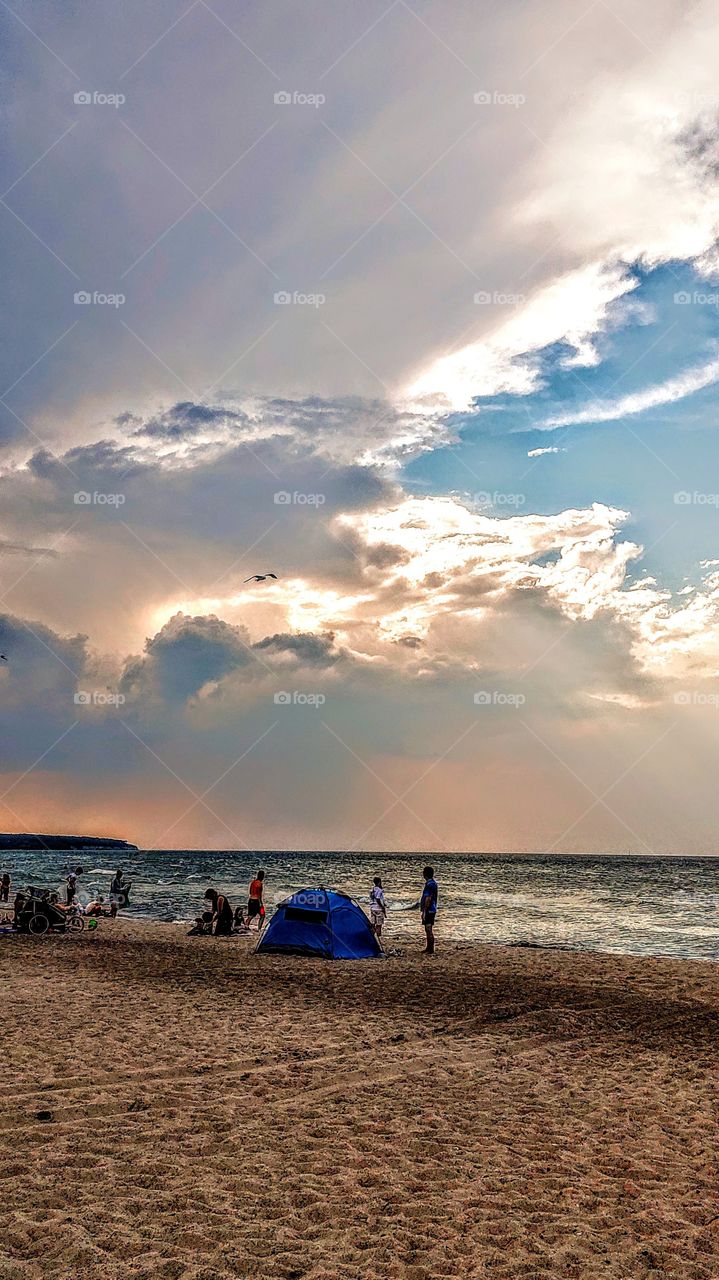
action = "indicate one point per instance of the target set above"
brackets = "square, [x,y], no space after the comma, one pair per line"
[176,1107]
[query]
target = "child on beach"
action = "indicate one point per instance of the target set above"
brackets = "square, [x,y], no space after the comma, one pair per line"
[203,924]
[71,885]
[428,907]
[377,907]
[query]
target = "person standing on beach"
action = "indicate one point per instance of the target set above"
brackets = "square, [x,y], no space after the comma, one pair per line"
[5,887]
[71,885]
[255,905]
[428,907]
[18,907]
[377,907]
[119,890]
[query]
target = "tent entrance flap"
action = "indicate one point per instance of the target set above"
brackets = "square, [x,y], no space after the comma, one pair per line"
[303,914]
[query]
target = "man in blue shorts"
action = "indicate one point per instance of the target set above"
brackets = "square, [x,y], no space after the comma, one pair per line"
[428,907]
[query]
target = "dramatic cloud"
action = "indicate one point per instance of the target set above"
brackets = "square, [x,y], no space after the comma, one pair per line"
[476,637]
[186,655]
[288,337]
[342,431]
[571,310]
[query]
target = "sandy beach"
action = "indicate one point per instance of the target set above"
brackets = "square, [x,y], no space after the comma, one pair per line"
[176,1107]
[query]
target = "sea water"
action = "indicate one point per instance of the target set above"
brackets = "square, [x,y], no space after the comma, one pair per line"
[632,905]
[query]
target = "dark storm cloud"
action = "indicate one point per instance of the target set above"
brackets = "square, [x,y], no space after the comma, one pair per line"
[186,654]
[101,459]
[38,684]
[185,420]
[309,650]
[39,657]
[189,653]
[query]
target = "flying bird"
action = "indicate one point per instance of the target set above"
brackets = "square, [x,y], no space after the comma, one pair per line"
[260,577]
[2,655]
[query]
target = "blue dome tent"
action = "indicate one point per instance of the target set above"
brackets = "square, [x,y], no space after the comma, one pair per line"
[320,922]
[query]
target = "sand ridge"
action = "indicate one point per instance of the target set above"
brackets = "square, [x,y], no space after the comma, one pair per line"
[178,1107]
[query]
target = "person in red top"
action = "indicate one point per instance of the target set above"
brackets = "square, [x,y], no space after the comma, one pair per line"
[255,905]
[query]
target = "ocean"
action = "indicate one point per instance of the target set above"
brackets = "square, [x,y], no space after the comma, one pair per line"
[632,905]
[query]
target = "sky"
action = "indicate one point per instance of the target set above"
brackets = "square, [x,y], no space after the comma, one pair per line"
[415,305]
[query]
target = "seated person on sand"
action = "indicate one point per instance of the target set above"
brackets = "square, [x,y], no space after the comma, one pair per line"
[222,917]
[48,898]
[240,922]
[96,908]
[203,924]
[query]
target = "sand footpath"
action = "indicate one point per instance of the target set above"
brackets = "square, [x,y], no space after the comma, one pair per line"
[176,1107]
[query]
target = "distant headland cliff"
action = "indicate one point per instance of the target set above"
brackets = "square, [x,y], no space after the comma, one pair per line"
[64,842]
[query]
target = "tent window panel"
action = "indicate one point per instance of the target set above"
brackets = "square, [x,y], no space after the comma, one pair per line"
[305,916]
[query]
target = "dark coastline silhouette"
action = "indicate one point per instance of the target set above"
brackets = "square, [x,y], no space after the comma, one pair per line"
[63,842]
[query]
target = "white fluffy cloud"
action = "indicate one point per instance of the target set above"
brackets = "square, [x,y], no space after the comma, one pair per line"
[571,310]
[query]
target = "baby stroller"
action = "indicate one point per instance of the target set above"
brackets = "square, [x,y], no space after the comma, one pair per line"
[39,915]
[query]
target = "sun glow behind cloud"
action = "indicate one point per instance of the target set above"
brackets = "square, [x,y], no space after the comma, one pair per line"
[571,310]
[428,562]
[206,399]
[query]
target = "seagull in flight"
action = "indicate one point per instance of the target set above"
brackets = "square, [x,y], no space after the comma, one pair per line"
[260,577]
[2,655]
